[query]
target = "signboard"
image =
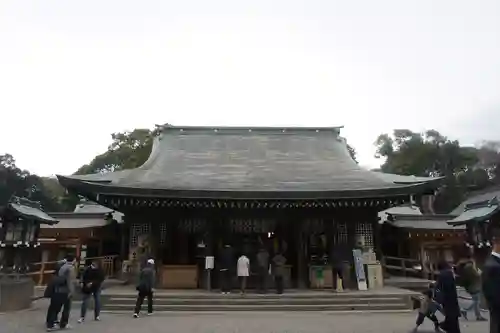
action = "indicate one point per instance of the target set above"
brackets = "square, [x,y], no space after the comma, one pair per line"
[360,269]
[209,262]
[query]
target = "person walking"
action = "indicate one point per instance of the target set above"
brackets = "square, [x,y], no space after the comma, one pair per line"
[92,279]
[243,268]
[51,319]
[63,293]
[225,265]
[263,269]
[471,281]
[279,262]
[491,283]
[427,309]
[145,287]
[448,293]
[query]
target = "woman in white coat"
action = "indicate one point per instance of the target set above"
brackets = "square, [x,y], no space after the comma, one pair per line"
[243,268]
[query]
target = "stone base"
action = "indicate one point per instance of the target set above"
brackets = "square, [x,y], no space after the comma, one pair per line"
[16,294]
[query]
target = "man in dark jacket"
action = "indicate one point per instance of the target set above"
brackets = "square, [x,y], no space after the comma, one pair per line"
[336,262]
[91,283]
[63,292]
[52,312]
[263,269]
[491,283]
[225,264]
[145,287]
[449,298]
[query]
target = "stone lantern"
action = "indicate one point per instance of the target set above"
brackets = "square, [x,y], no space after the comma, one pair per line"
[20,223]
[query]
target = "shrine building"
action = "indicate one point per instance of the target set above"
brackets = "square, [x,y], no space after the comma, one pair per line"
[293,190]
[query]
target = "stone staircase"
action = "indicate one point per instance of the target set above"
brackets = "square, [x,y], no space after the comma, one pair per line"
[391,300]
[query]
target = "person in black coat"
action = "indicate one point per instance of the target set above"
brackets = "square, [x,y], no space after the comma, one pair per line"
[449,298]
[145,287]
[336,263]
[91,282]
[226,263]
[491,283]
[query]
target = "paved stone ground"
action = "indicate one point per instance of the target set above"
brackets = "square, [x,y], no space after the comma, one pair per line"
[32,320]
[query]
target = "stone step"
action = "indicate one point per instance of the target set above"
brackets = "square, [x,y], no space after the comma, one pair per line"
[276,307]
[236,295]
[262,301]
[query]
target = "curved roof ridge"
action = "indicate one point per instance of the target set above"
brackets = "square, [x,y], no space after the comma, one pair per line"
[267,129]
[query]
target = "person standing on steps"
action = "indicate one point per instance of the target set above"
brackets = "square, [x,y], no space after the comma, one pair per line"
[336,262]
[225,266]
[92,279]
[491,282]
[145,287]
[279,262]
[243,268]
[263,269]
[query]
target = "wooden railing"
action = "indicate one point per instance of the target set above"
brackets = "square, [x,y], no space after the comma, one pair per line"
[410,267]
[40,271]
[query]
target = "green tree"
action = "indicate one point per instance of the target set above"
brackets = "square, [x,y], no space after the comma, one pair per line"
[18,182]
[432,154]
[428,154]
[128,150]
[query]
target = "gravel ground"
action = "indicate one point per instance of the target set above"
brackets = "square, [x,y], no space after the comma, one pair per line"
[32,320]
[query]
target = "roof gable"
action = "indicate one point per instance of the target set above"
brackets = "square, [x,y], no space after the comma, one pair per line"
[255,159]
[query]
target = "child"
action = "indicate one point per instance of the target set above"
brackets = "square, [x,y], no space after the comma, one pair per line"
[427,309]
[436,298]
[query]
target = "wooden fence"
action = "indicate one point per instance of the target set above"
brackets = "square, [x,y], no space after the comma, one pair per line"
[410,267]
[41,271]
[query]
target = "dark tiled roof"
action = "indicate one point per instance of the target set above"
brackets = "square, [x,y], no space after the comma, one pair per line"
[398,210]
[477,212]
[78,220]
[248,160]
[423,222]
[401,179]
[30,210]
[478,196]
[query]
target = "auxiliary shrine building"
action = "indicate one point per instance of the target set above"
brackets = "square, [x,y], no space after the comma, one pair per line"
[293,190]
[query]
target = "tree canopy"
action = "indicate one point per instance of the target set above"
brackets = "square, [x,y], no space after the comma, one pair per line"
[432,154]
[127,150]
[18,182]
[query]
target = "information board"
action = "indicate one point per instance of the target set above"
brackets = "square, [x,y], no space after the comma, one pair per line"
[209,262]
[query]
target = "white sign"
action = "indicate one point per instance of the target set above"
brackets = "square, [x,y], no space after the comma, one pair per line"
[209,262]
[360,269]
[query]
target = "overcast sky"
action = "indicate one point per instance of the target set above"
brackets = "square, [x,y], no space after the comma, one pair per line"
[72,72]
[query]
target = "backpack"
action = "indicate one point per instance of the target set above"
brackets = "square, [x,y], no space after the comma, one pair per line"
[55,282]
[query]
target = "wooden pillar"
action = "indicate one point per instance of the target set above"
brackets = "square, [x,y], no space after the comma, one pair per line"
[124,242]
[425,273]
[101,247]
[78,252]
[302,268]
[45,258]
[351,244]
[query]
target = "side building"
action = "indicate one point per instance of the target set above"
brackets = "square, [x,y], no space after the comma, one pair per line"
[415,243]
[91,231]
[477,215]
[290,190]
